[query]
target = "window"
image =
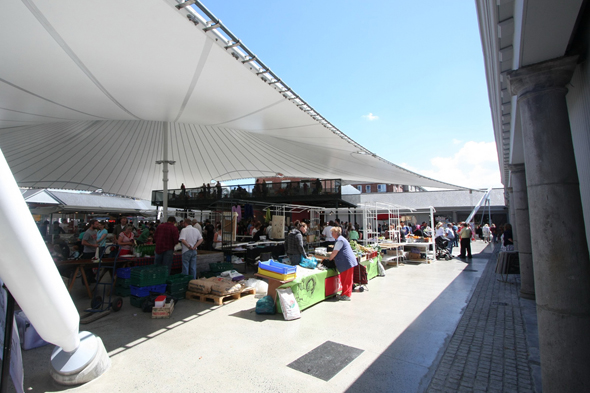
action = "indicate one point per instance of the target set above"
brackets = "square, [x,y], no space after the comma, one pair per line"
[360,188]
[368,188]
[381,187]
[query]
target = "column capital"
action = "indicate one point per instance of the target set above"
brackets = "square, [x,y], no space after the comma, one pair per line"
[515,167]
[554,73]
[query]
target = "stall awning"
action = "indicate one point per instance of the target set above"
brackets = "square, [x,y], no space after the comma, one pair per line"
[85,88]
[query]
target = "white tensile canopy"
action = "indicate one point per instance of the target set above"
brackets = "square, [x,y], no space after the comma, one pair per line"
[89,89]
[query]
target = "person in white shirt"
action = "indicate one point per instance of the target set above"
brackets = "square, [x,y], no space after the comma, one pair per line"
[440,230]
[191,238]
[327,234]
[198,226]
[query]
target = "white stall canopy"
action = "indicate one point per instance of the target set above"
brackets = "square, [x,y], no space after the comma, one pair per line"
[86,87]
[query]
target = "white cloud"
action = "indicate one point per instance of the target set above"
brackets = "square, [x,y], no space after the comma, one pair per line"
[475,165]
[370,117]
[456,141]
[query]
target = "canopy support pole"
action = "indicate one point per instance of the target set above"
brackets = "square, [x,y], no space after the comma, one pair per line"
[165,162]
[165,170]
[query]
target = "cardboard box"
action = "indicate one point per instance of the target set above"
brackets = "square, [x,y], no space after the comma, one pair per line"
[413,255]
[163,312]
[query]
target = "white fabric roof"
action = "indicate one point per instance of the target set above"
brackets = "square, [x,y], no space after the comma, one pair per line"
[72,201]
[86,86]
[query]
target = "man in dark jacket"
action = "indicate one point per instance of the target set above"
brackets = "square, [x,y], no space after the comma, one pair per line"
[166,238]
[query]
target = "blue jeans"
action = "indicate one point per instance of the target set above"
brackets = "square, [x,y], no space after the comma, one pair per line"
[189,263]
[165,259]
[450,246]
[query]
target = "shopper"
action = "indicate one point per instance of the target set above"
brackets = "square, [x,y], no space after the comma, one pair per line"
[118,229]
[451,236]
[126,241]
[508,241]
[485,230]
[101,237]
[465,236]
[218,239]
[327,235]
[294,243]
[143,233]
[352,233]
[494,232]
[208,234]
[90,245]
[89,240]
[440,230]
[166,237]
[191,238]
[345,260]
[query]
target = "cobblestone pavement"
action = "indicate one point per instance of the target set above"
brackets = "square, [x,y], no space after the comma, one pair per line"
[488,351]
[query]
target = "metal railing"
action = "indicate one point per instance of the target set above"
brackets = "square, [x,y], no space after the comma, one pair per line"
[260,191]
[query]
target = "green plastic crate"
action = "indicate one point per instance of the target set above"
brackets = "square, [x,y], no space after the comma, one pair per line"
[123,283]
[220,267]
[143,276]
[178,282]
[137,301]
[146,249]
[176,278]
[177,294]
[209,274]
[124,292]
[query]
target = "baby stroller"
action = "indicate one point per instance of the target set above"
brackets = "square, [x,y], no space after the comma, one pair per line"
[441,248]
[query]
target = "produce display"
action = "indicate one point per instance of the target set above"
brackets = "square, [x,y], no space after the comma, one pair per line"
[357,247]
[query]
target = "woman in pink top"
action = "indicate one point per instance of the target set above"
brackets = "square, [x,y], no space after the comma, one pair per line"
[126,240]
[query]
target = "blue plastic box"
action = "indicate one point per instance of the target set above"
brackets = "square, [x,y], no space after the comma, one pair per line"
[145,291]
[277,267]
[124,272]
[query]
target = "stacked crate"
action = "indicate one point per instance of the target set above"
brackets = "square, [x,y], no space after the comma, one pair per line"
[177,285]
[146,279]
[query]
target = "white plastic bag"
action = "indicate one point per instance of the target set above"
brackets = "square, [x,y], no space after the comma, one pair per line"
[381,269]
[288,304]
[260,286]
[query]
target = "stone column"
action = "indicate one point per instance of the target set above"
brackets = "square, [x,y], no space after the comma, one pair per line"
[521,213]
[511,216]
[558,235]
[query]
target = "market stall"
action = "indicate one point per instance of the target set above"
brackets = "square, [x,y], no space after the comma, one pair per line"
[311,286]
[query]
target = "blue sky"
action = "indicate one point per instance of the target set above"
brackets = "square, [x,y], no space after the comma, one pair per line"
[405,79]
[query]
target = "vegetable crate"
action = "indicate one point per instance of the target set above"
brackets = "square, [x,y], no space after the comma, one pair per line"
[145,291]
[124,272]
[178,282]
[149,249]
[137,301]
[220,267]
[142,276]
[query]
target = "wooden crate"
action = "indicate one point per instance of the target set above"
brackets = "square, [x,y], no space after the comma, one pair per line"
[219,300]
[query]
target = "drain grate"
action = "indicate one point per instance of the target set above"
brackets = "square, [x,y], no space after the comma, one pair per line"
[326,360]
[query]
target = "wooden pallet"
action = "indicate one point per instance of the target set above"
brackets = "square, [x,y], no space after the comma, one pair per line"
[219,300]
